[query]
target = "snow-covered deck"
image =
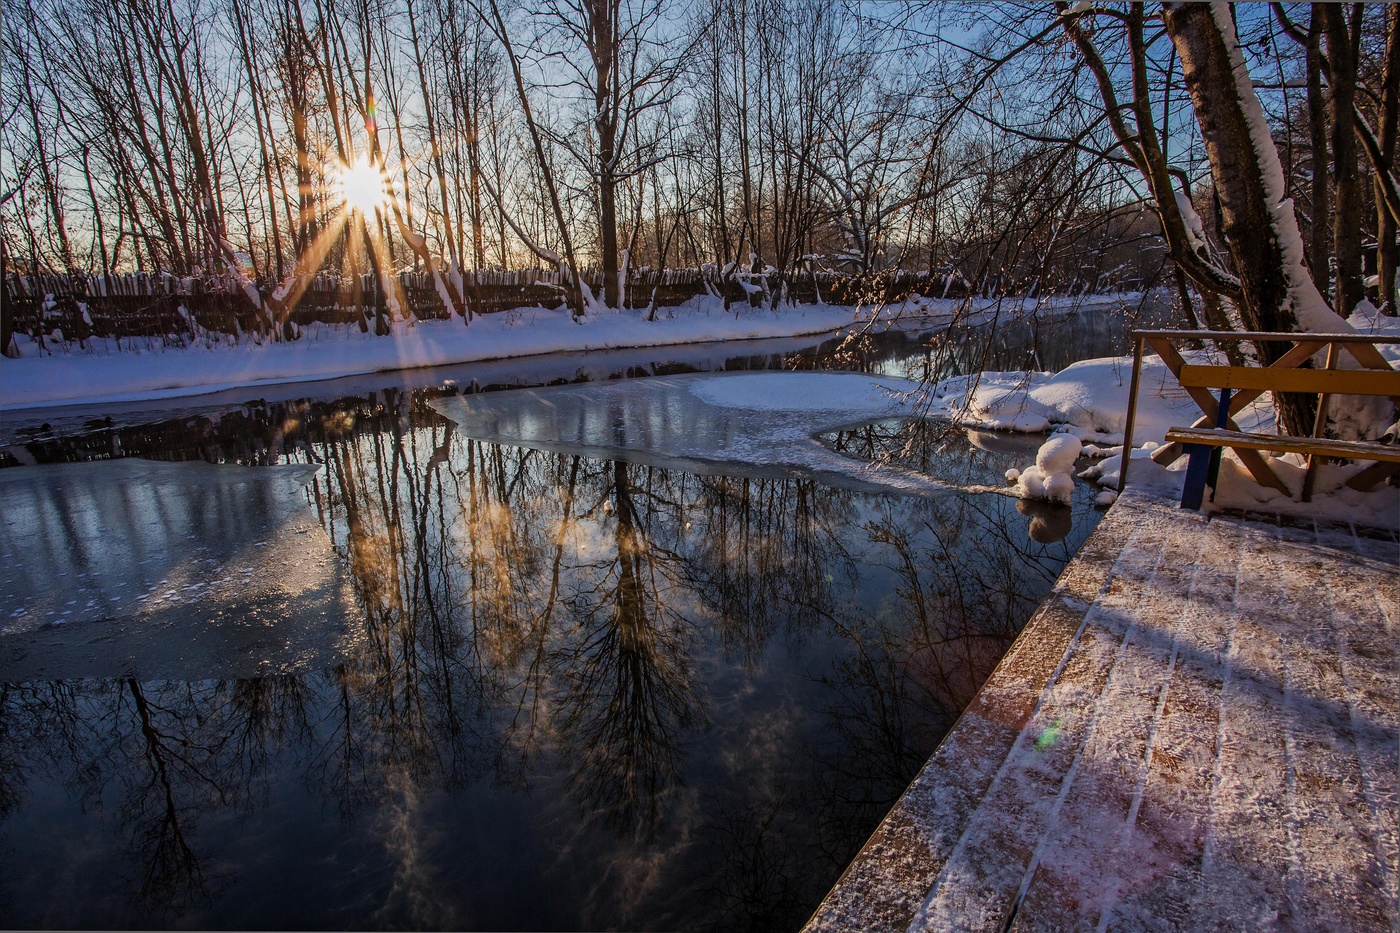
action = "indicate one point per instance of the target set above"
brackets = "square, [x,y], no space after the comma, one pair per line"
[1199,728]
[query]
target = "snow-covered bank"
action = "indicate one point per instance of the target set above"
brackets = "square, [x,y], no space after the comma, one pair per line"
[1088,402]
[1088,399]
[144,369]
[102,372]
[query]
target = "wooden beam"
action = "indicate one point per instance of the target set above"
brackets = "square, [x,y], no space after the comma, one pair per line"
[1257,466]
[1274,379]
[1367,355]
[1274,336]
[1294,357]
[1324,401]
[1373,474]
[1175,363]
[1282,443]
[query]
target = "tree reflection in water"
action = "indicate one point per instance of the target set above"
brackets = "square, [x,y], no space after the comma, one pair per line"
[730,679]
[626,685]
[159,757]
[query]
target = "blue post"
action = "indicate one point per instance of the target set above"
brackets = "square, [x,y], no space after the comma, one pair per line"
[1221,419]
[1204,463]
[1193,490]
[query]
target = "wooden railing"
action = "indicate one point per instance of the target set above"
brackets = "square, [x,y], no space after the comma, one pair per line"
[1235,387]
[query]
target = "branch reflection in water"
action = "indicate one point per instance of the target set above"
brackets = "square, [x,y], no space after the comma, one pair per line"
[727,679]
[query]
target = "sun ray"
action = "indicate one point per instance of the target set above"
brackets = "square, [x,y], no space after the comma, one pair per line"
[291,288]
[388,280]
[364,191]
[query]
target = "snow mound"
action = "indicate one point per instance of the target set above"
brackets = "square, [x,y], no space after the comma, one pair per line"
[1088,399]
[1057,455]
[1360,417]
[1051,477]
[1367,319]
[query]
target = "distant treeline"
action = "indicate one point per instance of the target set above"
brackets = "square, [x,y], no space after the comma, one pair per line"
[1022,148]
[293,137]
[76,307]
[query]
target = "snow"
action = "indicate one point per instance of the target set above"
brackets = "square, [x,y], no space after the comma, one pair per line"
[1236,489]
[1051,477]
[1195,731]
[1146,472]
[142,369]
[104,372]
[1308,305]
[1088,399]
[1057,455]
[1195,228]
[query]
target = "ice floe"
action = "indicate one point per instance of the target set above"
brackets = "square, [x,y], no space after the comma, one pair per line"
[746,424]
[190,570]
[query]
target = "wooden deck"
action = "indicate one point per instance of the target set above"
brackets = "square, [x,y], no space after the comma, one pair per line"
[1198,729]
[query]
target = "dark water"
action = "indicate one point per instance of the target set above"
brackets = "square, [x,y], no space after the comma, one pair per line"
[558,692]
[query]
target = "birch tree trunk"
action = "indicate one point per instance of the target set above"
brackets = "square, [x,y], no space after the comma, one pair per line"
[1258,225]
[1388,252]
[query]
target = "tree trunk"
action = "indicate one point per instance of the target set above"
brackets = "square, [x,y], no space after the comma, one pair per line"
[1346,218]
[474,161]
[1319,234]
[7,315]
[1259,239]
[603,42]
[251,69]
[607,215]
[569,265]
[48,177]
[1388,253]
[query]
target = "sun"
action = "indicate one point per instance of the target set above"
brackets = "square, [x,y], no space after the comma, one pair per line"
[360,185]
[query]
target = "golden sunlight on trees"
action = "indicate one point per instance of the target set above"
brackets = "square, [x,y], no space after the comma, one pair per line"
[989,149]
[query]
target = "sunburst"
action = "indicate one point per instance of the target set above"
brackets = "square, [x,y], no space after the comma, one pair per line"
[360,186]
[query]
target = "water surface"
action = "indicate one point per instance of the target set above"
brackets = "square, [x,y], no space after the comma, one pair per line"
[518,689]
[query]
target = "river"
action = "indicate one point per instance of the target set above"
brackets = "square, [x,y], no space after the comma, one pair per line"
[319,659]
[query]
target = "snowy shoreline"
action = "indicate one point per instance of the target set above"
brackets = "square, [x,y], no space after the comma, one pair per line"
[1085,401]
[103,372]
[1085,406]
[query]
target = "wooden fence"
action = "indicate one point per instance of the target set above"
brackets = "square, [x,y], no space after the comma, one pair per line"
[158,304]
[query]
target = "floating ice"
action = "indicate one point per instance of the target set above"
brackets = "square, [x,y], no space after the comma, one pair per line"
[745,424]
[848,393]
[185,570]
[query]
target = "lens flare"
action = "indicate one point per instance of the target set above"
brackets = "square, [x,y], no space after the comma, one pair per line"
[360,186]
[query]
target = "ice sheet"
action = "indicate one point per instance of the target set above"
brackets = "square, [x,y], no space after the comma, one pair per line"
[842,393]
[745,424]
[189,570]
